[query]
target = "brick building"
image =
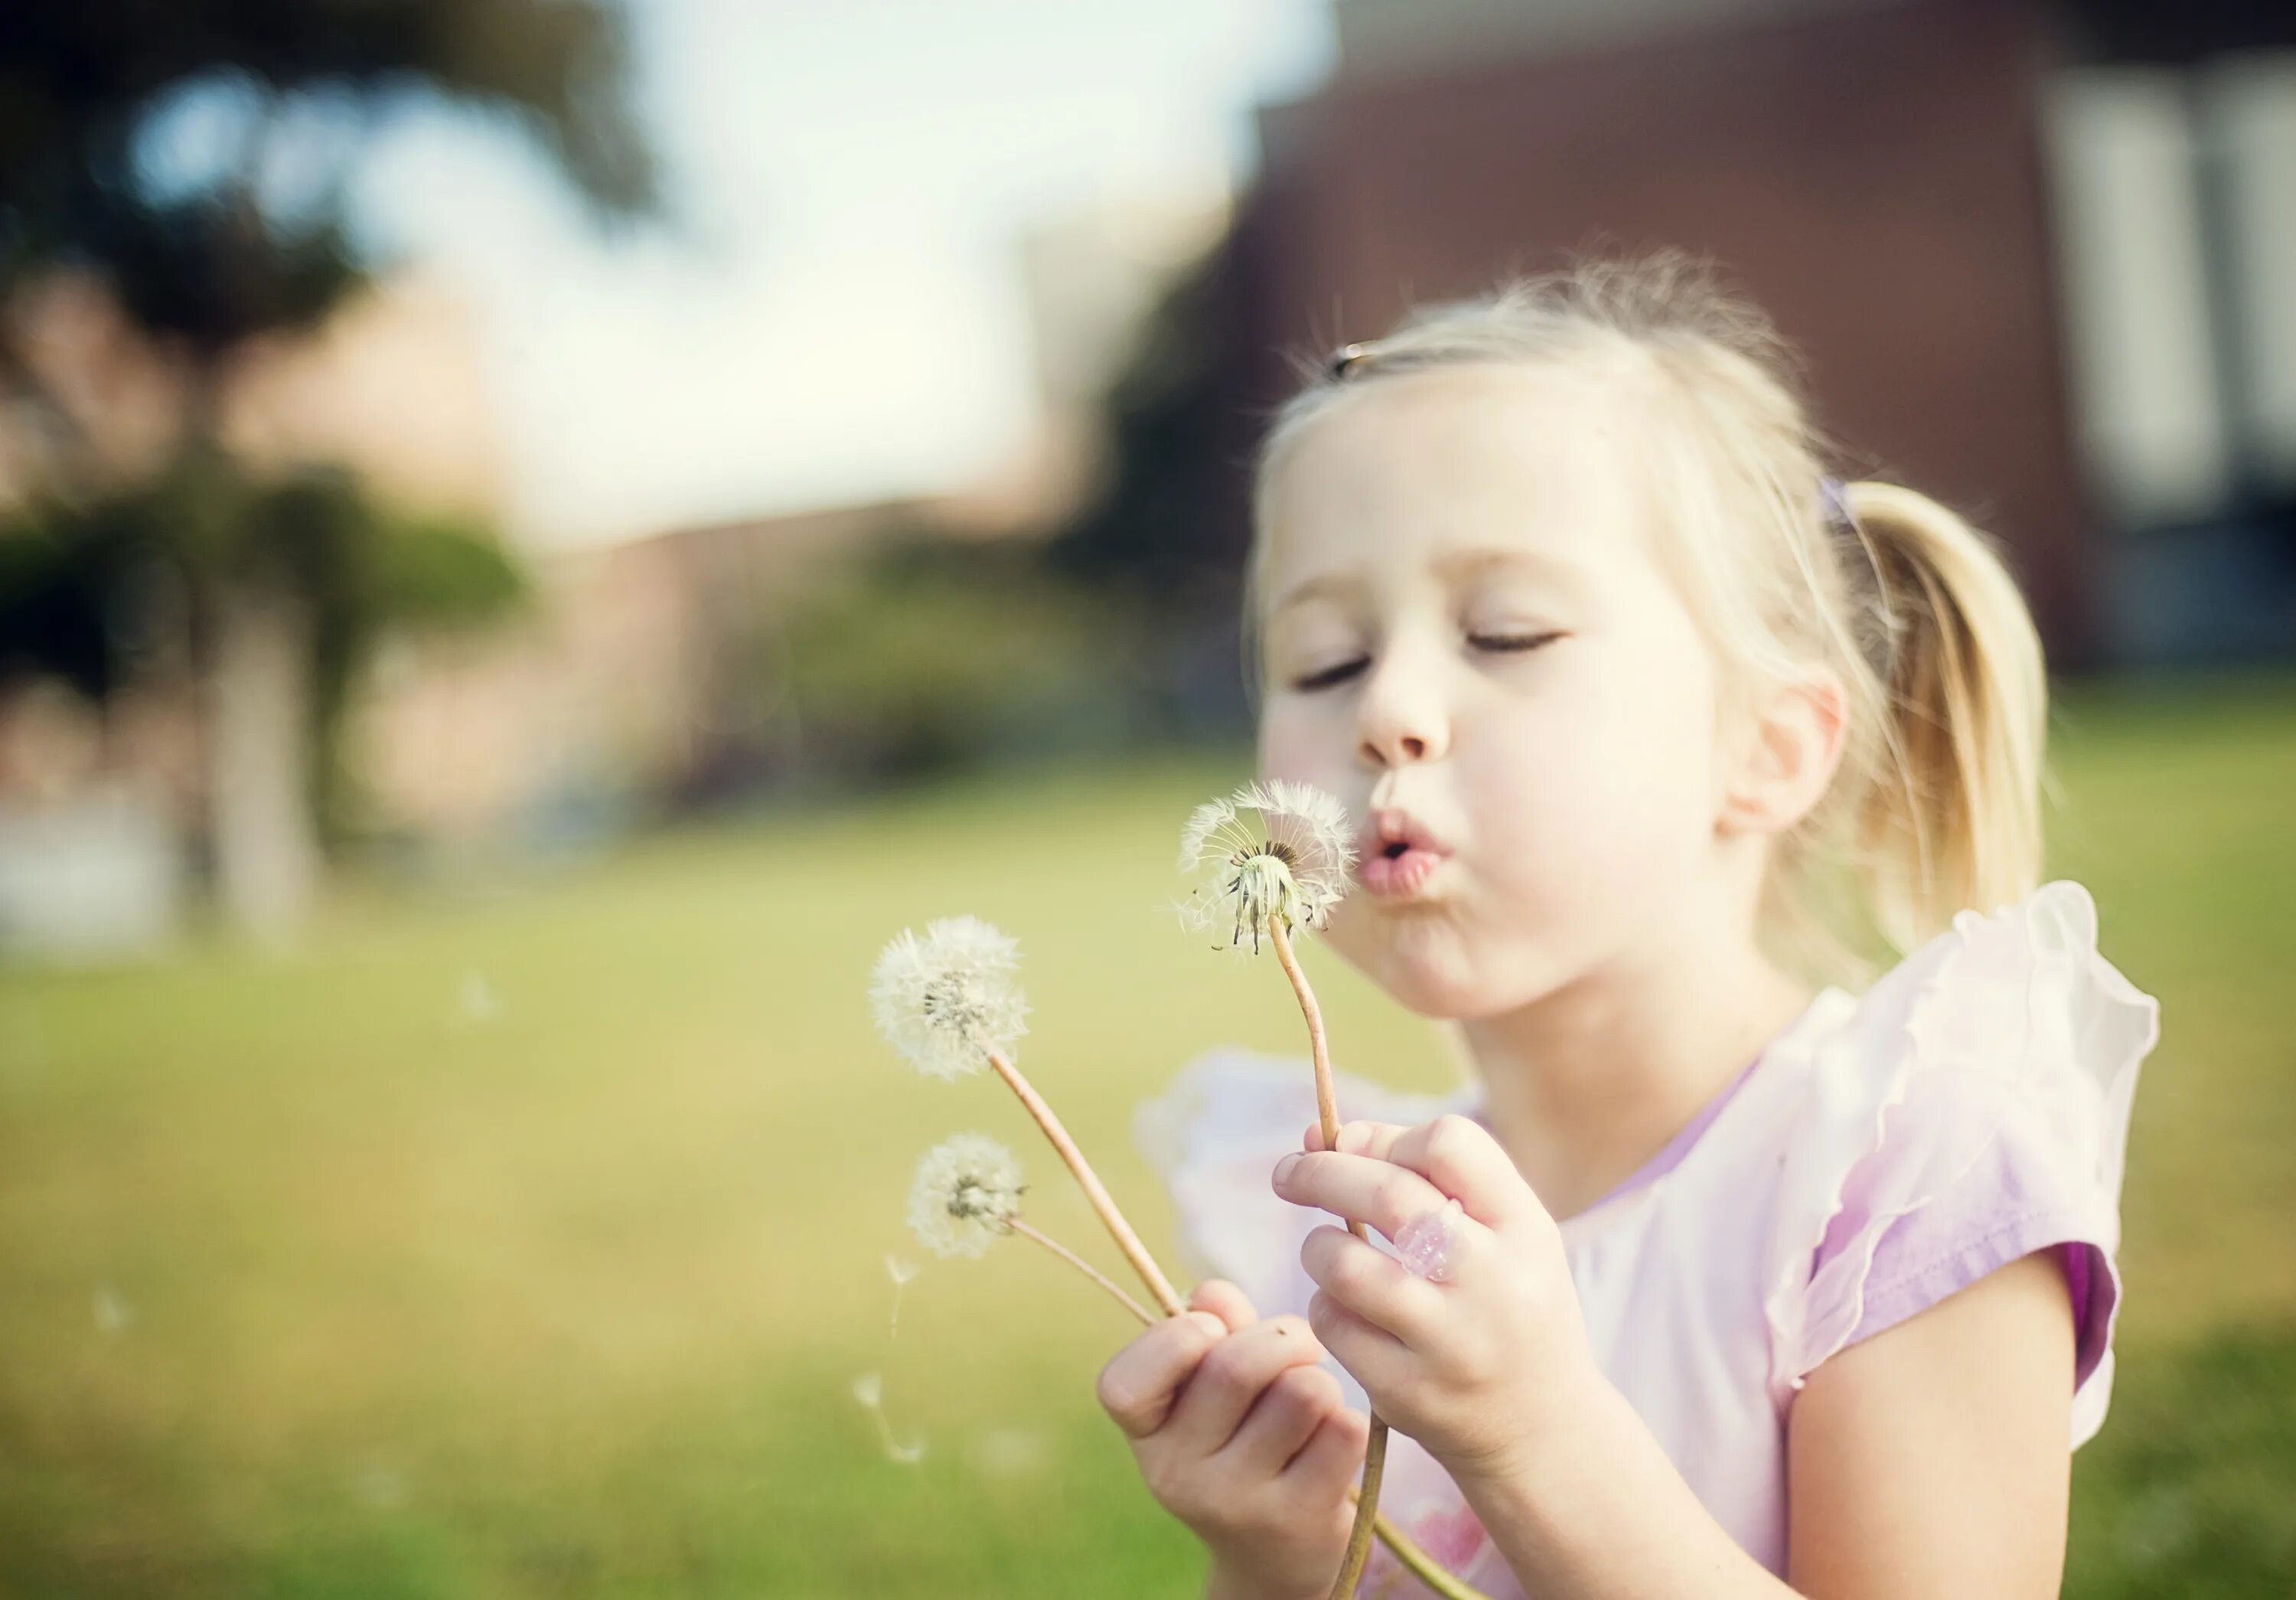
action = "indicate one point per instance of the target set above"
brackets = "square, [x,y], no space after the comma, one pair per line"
[2039,257]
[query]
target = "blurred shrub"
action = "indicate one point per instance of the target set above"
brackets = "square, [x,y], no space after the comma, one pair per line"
[930,655]
[436,573]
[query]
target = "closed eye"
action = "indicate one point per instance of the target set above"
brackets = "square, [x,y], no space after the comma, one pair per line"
[1345,670]
[1510,642]
[1332,675]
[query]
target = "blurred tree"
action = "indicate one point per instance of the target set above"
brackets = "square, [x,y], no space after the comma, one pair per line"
[1168,523]
[94,590]
[1166,529]
[196,155]
[933,654]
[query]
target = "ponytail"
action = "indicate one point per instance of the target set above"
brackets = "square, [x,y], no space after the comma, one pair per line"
[1953,816]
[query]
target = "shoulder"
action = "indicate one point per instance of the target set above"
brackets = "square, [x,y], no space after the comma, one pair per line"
[1213,1136]
[1958,1419]
[1973,1107]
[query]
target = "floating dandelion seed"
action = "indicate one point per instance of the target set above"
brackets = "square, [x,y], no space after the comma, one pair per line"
[381,1485]
[1291,861]
[900,1271]
[869,1389]
[1007,1452]
[945,1000]
[967,1192]
[480,1002]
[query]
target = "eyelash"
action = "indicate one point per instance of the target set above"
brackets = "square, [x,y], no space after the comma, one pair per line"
[1340,674]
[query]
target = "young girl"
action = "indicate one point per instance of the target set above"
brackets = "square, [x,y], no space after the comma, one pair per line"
[1767,1276]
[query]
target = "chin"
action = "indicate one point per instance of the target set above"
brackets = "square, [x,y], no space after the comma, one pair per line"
[1431,977]
[1443,1002]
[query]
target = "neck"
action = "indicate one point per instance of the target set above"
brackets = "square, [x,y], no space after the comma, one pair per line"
[1584,1084]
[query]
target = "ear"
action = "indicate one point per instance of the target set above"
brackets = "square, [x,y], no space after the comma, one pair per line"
[1789,747]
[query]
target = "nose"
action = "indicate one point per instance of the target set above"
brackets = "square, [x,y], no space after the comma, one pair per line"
[1401,716]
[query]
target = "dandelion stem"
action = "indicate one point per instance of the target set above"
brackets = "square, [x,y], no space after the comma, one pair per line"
[1128,1242]
[1327,1113]
[1085,1266]
[1327,1104]
[1423,1566]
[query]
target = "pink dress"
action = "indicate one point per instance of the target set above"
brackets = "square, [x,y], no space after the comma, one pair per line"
[1880,1153]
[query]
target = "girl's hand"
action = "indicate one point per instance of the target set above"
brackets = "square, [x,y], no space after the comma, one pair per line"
[1481,1365]
[1239,1434]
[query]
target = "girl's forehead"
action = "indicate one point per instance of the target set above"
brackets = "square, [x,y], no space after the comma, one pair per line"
[1424,470]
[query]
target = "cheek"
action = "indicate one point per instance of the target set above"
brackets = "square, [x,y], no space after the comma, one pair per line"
[1604,778]
[1294,744]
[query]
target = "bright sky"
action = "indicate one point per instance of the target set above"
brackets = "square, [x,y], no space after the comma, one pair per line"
[840,317]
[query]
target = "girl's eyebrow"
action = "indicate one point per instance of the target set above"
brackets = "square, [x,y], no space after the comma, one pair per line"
[1561,569]
[1452,565]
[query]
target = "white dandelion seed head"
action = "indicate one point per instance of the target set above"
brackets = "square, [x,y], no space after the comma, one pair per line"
[899,1268]
[966,1193]
[943,1001]
[1275,850]
[869,1389]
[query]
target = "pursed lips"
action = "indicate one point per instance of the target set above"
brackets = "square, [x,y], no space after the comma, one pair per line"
[1399,854]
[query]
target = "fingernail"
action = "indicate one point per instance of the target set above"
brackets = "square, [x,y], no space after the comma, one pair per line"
[1283,1167]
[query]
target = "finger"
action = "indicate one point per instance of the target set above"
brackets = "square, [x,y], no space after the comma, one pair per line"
[1373,1356]
[1377,1194]
[1315,1136]
[1374,1284]
[1326,1463]
[1224,1300]
[1369,1138]
[1458,1156]
[1282,1420]
[1137,1385]
[1230,1378]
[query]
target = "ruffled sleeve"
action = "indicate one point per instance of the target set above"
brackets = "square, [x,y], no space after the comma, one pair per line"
[1214,1136]
[1974,1109]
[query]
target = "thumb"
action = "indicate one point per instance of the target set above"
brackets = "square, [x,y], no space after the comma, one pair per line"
[1224,1300]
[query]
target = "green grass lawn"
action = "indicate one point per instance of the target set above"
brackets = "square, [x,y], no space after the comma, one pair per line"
[527,1243]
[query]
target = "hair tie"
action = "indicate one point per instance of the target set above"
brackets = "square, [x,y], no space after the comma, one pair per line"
[1836,495]
[1343,360]
[1842,520]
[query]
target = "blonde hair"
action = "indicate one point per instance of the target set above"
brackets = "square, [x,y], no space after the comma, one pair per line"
[1937,803]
